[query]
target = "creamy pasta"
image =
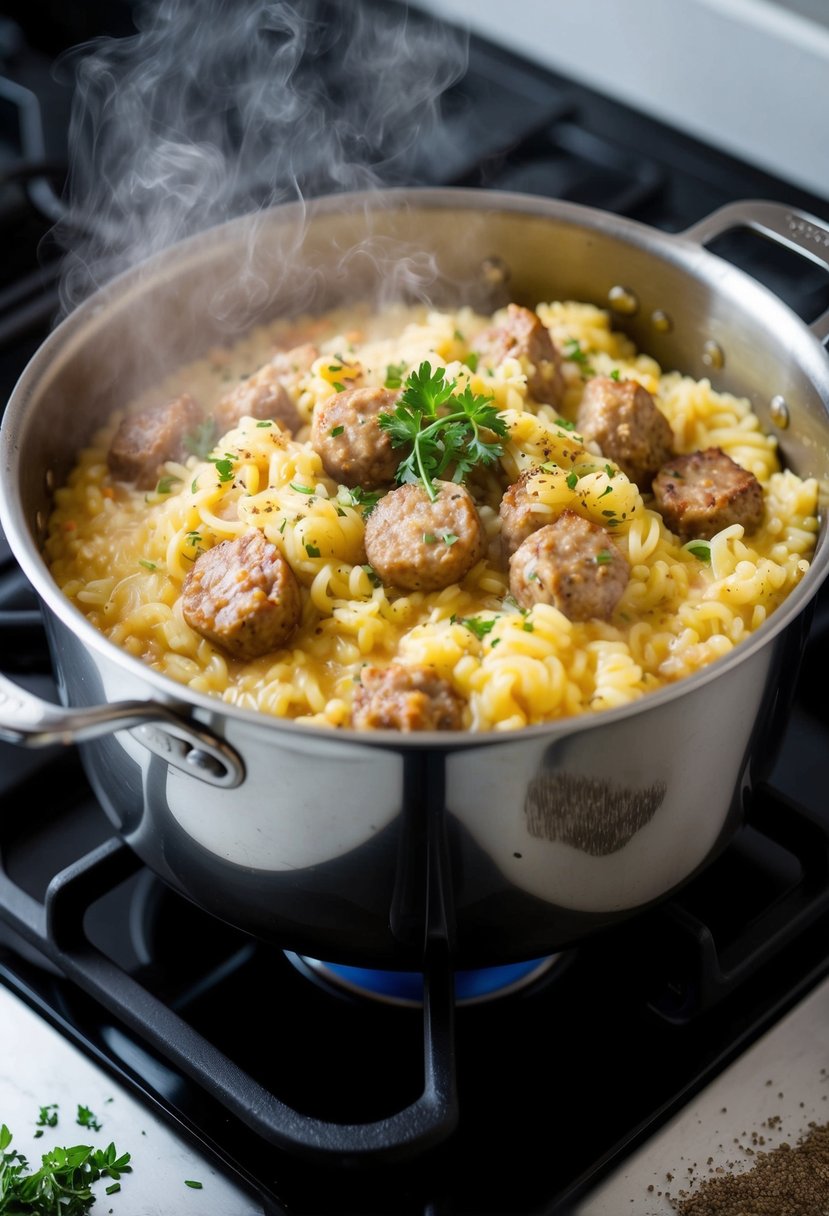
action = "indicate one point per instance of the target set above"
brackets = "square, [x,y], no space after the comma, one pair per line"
[122,553]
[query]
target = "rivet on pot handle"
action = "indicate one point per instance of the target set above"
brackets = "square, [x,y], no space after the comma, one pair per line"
[28,720]
[796,230]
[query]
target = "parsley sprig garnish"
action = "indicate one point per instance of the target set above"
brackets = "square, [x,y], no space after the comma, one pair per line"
[452,434]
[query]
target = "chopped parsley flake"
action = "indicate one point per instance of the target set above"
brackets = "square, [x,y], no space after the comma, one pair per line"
[449,538]
[429,538]
[477,625]
[165,485]
[574,353]
[301,489]
[394,375]
[200,442]
[356,496]
[337,430]
[565,425]
[339,386]
[528,626]
[700,549]
[614,375]
[48,1116]
[224,467]
[266,422]
[147,565]
[86,1118]
[603,557]
[374,577]
[196,1186]
[606,490]
[312,550]
[572,481]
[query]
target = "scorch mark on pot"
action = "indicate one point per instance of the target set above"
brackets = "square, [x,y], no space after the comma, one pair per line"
[596,817]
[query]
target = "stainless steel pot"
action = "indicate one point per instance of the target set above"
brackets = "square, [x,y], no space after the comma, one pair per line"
[330,842]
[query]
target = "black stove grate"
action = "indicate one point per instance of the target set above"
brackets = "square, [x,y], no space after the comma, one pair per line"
[186,1009]
[615,1037]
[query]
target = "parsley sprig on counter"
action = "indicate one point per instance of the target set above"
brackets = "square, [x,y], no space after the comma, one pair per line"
[452,431]
[63,1184]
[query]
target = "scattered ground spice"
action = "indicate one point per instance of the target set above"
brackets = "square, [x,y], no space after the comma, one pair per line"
[784,1181]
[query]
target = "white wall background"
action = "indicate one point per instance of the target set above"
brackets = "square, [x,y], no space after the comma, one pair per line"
[750,76]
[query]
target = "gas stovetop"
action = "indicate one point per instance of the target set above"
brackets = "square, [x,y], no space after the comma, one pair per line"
[576,1068]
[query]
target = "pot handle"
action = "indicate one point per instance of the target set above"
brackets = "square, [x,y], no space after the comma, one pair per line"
[28,720]
[788,226]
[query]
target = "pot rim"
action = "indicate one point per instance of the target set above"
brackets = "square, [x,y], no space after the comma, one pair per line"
[687,254]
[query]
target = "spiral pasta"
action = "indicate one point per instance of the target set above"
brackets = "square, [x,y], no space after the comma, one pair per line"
[122,555]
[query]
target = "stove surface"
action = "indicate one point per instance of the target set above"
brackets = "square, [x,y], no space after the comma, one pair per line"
[113,986]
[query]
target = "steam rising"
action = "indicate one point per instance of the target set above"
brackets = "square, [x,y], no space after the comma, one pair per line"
[218,108]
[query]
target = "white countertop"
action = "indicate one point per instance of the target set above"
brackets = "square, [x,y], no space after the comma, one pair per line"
[56,1071]
[748,76]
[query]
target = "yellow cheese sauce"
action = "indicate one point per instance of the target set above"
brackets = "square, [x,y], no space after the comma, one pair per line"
[121,554]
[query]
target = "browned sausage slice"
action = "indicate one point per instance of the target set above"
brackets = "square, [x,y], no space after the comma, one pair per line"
[294,363]
[572,564]
[262,395]
[523,336]
[700,494]
[518,519]
[355,451]
[144,441]
[621,417]
[242,596]
[421,545]
[407,699]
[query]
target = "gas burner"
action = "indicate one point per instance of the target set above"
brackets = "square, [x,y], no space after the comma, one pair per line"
[405,988]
